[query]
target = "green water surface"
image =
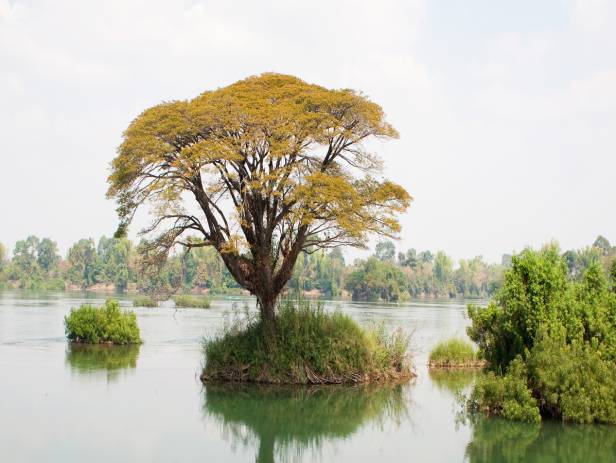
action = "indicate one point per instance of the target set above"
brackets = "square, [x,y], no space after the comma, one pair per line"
[65,403]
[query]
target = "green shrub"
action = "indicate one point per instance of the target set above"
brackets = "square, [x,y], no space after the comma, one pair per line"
[144,301]
[310,346]
[507,396]
[196,302]
[454,352]
[573,381]
[107,324]
[533,293]
[562,335]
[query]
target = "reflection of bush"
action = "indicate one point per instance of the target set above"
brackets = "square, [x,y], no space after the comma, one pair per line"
[497,440]
[296,419]
[452,380]
[85,358]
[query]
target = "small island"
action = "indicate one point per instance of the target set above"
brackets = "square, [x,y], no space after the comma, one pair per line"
[309,346]
[455,353]
[102,325]
[188,301]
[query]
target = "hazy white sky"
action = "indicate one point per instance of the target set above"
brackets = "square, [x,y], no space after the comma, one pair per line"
[506,109]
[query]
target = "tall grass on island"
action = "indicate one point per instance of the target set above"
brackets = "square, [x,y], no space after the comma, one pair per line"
[454,353]
[106,324]
[144,301]
[188,301]
[308,346]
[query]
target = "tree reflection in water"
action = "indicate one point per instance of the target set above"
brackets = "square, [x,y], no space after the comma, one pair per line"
[285,421]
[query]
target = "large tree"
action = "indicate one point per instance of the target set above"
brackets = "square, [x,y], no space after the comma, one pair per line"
[260,170]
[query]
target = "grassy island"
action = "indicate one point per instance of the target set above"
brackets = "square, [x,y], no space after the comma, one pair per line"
[195,302]
[454,353]
[309,346]
[144,301]
[106,324]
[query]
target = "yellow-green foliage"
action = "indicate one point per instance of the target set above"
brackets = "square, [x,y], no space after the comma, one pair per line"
[106,324]
[310,346]
[454,352]
[145,301]
[276,166]
[284,115]
[196,302]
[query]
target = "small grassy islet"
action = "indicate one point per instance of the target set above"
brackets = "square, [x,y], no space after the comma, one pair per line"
[309,346]
[107,324]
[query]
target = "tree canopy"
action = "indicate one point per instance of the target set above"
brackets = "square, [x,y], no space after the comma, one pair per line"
[273,166]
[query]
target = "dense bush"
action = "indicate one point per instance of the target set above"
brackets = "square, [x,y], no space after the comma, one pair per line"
[507,396]
[186,300]
[552,336]
[574,381]
[145,301]
[310,346]
[107,324]
[454,352]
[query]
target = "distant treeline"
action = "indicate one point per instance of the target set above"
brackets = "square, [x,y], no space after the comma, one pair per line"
[387,275]
[111,264]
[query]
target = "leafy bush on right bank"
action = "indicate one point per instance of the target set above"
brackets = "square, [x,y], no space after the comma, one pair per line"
[550,343]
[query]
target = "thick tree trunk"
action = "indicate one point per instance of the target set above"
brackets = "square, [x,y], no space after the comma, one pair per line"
[267,307]
[266,448]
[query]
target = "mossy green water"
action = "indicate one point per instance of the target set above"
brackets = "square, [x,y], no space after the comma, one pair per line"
[293,419]
[112,360]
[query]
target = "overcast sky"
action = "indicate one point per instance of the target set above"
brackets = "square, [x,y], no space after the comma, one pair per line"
[506,109]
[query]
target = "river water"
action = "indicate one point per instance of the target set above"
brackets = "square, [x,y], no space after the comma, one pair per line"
[62,403]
